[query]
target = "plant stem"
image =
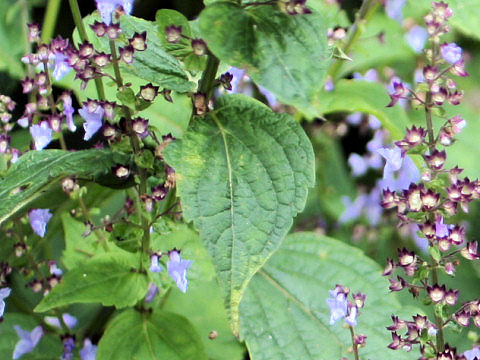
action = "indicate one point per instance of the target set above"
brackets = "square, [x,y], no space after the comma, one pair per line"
[50,20]
[97,232]
[354,344]
[363,15]
[77,19]
[142,173]
[438,319]
[208,77]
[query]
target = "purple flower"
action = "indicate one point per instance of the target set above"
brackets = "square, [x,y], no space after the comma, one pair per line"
[68,111]
[4,293]
[472,354]
[376,142]
[38,220]
[177,269]
[352,210]
[28,341]
[107,7]
[239,75]
[338,305]
[358,164]
[351,319]
[394,8]
[354,119]
[394,160]
[60,66]
[151,293]
[68,346]
[417,37]
[271,99]
[54,270]
[69,320]
[451,52]
[441,229]
[89,351]
[374,123]
[93,120]
[329,85]
[371,76]
[41,134]
[155,267]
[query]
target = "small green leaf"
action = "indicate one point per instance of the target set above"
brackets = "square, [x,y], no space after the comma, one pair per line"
[110,279]
[287,55]
[127,236]
[127,97]
[242,174]
[434,251]
[145,159]
[36,170]
[284,314]
[161,335]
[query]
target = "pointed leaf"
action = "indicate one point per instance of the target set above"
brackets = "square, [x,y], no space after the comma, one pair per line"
[287,55]
[160,335]
[36,170]
[110,279]
[242,175]
[284,314]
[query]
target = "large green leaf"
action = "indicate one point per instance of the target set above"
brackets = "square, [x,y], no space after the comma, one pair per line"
[287,55]
[161,335]
[36,170]
[13,40]
[110,279]
[242,174]
[366,97]
[284,314]
[152,65]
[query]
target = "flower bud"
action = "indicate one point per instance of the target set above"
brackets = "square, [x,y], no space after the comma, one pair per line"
[149,92]
[126,54]
[199,47]
[99,28]
[174,34]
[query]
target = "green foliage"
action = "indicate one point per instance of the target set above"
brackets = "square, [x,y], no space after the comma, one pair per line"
[152,65]
[161,335]
[111,279]
[242,174]
[13,37]
[287,55]
[37,170]
[365,97]
[284,313]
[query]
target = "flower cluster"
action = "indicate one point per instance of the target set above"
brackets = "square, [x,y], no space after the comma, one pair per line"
[427,205]
[176,267]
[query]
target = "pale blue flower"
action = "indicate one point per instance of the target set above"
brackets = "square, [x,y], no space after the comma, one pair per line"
[271,99]
[394,160]
[354,119]
[41,134]
[155,266]
[351,318]
[93,120]
[451,52]
[69,320]
[107,7]
[358,164]
[89,351]
[68,111]
[151,293]
[4,293]
[417,37]
[39,219]
[177,269]
[394,9]
[28,341]
[370,76]
[338,305]
[60,66]
[472,354]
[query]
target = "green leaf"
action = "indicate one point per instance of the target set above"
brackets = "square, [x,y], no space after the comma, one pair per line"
[242,174]
[37,170]
[152,65]
[366,97]
[287,55]
[12,40]
[284,313]
[110,279]
[78,249]
[160,335]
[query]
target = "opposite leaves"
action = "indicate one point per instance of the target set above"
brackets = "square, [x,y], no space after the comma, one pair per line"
[242,175]
[287,55]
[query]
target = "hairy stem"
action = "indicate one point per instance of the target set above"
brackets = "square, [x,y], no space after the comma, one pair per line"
[77,18]
[142,173]
[367,9]
[208,77]
[354,344]
[50,19]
